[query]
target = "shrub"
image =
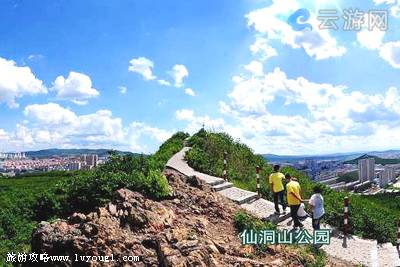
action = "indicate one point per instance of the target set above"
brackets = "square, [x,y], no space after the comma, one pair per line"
[207,155]
[243,221]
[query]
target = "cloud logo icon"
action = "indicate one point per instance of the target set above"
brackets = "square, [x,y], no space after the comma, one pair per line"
[298,20]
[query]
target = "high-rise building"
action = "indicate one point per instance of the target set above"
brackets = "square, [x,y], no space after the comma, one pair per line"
[366,169]
[90,160]
[74,166]
[386,176]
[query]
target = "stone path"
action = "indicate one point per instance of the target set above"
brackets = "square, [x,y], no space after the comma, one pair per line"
[353,249]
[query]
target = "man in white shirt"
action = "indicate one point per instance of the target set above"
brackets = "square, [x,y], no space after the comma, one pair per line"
[317,207]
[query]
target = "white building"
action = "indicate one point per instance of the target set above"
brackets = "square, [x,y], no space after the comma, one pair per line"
[366,169]
[74,166]
[386,176]
[90,160]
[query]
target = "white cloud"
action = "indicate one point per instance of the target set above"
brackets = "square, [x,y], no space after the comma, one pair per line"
[255,68]
[159,134]
[263,49]
[178,73]
[51,125]
[271,22]
[391,53]
[195,123]
[184,114]
[370,39]
[331,118]
[164,82]
[50,114]
[142,66]
[77,87]
[122,89]
[324,101]
[373,40]
[189,91]
[16,82]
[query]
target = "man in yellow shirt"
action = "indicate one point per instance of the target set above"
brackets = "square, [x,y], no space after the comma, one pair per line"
[276,182]
[294,199]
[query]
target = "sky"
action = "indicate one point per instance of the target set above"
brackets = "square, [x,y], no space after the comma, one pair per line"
[127,74]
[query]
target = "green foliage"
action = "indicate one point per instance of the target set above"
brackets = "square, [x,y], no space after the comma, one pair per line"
[47,174]
[166,150]
[370,216]
[348,177]
[28,199]
[17,198]
[319,256]
[243,221]
[83,193]
[207,155]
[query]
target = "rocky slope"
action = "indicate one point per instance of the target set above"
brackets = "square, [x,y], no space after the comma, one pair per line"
[193,228]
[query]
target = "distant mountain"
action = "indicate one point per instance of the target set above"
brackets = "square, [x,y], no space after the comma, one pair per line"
[378,160]
[45,153]
[290,159]
[384,156]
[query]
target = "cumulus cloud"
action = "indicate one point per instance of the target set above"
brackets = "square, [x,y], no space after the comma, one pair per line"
[189,91]
[142,66]
[50,114]
[184,114]
[16,82]
[178,73]
[263,49]
[77,87]
[255,68]
[323,101]
[370,39]
[373,39]
[271,22]
[275,113]
[391,53]
[327,118]
[51,125]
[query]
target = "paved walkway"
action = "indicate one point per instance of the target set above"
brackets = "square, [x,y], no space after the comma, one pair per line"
[353,249]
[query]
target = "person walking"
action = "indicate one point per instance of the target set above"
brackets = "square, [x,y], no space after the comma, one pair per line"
[316,203]
[276,183]
[294,199]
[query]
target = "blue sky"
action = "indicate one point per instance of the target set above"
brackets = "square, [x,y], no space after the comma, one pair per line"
[128,74]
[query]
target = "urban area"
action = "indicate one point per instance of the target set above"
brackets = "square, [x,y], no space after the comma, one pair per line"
[365,174]
[13,164]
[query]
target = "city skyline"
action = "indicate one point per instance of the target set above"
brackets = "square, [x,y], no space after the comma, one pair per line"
[128,75]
